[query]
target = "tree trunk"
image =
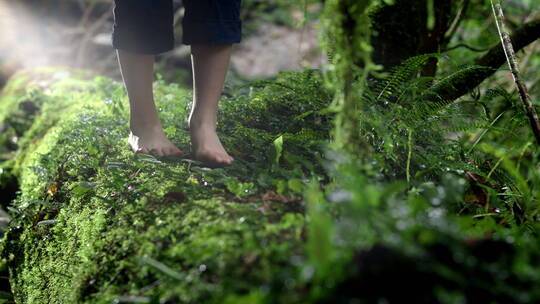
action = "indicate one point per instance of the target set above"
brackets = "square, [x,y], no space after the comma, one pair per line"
[401,31]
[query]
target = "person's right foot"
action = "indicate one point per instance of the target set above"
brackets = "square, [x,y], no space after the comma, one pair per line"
[152,141]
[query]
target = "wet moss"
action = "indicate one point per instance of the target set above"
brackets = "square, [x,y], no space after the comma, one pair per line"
[94,223]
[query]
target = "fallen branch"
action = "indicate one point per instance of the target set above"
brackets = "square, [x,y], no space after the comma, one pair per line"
[474,49]
[512,63]
[492,60]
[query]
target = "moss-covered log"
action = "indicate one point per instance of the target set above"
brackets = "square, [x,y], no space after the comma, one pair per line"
[94,223]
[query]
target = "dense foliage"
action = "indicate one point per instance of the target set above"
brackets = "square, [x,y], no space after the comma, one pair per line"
[355,184]
[103,224]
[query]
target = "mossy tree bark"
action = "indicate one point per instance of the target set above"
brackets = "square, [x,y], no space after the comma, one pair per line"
[368,33]
[400,31]
[409,28]
[346,35]
[492,60]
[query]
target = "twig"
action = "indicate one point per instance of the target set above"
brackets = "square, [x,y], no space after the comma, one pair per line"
[474,49]
[490,61]
[457,20]
[512,63]
[89,33]
[87,12]
[409,154]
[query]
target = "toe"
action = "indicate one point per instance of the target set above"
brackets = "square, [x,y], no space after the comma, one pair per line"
[169,151]
[221,158]
[172,151]
[177,152]
[225,160]
[142,150]
[213,158]
[166,151]
[161,152]
[152,151]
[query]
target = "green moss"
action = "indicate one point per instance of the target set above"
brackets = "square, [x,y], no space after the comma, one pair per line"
[94,223]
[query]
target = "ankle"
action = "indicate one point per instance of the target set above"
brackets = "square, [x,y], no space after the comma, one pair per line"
[138,126]
[198,123]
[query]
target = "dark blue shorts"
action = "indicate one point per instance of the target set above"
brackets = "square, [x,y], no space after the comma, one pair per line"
[146,26]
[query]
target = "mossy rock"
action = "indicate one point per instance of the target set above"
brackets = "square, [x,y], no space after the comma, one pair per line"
[94,223]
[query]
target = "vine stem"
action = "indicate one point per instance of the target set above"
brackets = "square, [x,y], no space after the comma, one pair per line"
[512,63]
[409,154]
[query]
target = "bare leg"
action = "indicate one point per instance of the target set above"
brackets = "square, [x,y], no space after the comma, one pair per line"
[210,63]
[146,134]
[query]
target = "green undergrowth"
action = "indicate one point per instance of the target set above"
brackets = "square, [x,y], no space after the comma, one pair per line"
[95,223]
[441,207]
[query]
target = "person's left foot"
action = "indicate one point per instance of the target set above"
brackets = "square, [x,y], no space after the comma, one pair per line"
[207,147]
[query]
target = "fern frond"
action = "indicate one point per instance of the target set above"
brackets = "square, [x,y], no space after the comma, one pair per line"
[401,74]
[449,81]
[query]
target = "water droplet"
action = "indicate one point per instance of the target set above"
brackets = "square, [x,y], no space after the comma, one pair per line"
[290,283]
[401,225]
[308,272]
[339,196]
[436,213]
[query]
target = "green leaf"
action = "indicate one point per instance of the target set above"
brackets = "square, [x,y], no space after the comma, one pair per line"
[278,148]
[47,222]
[83,187]
[161,267]
[296,185]
[132,299]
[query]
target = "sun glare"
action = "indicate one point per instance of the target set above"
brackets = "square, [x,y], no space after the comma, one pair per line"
[25,38]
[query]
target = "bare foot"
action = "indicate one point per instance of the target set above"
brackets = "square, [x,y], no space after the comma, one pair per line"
[152,141]
[207,147]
